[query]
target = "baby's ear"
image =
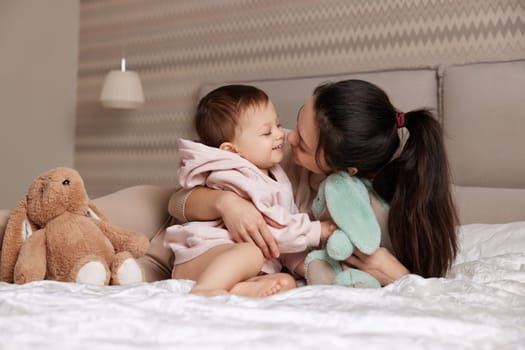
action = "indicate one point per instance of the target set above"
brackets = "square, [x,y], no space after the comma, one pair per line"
[352,170]
[228,146]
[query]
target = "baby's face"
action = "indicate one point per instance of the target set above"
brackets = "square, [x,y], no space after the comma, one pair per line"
[259,136]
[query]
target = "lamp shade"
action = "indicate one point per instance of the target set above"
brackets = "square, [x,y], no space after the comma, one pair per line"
[122,89]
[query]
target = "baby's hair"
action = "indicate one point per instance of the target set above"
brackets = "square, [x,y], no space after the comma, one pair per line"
[218,112]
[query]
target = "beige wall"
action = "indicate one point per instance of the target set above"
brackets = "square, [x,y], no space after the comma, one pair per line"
[38,70]
[177,45]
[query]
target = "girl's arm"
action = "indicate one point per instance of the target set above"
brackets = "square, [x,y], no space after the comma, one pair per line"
[381,264]
[243,221]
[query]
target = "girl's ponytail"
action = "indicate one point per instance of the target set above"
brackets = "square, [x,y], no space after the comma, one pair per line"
[422,220]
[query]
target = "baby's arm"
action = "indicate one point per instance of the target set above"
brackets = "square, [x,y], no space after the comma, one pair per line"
[294,262]
[298,232]
[243,221]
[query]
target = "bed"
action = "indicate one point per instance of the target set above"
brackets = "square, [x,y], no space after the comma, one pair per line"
[480,304]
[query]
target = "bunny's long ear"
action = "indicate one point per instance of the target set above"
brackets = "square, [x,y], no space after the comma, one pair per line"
[348,202]
[19,229]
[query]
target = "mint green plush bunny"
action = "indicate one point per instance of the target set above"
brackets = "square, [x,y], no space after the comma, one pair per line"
[347,200]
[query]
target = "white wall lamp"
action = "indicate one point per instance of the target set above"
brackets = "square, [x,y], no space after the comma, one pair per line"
[122,89]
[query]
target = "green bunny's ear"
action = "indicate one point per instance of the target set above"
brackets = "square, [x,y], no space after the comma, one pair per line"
[319,203]
[348,202]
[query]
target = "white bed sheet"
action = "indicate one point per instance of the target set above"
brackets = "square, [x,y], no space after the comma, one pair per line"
[480,305]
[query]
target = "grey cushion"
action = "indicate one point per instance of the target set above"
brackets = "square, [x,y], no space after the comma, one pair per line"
[143,209]
[484,121]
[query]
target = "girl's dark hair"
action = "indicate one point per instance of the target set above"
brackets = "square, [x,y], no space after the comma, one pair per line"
[358,129]
[218,112]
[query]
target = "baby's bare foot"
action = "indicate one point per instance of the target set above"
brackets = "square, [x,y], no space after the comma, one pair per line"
[265,285]
[257,288]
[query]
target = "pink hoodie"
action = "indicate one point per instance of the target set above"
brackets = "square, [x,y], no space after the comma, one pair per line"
[202,165]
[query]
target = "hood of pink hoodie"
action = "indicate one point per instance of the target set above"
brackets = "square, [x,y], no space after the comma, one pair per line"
[201,165]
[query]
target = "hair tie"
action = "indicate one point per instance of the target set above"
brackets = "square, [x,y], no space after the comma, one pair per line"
[400,119]
[402,133]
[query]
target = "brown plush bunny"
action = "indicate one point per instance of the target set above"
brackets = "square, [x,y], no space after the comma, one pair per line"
[57,233]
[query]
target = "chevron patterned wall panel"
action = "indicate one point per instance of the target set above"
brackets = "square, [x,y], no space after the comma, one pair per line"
[177,45]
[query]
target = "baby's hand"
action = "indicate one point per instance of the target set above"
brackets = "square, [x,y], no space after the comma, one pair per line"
[327,228]
[246,224]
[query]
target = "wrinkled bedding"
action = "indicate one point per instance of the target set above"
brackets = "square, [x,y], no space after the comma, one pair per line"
[479,305]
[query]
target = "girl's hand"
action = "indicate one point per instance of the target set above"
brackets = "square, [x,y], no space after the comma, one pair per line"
[246,224]
[381,264]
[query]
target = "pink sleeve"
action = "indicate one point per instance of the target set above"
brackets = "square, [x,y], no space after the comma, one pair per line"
[299,233]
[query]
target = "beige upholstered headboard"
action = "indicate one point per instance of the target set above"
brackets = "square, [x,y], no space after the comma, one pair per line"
[288,95]
[484,120]
[482,108]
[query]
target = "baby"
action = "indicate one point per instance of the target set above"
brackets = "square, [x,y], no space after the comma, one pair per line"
[240,150]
